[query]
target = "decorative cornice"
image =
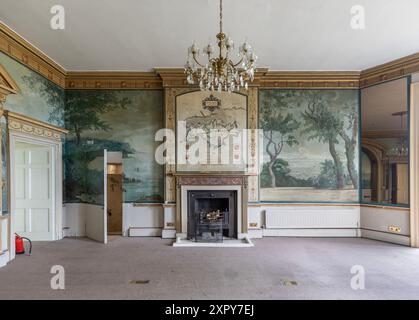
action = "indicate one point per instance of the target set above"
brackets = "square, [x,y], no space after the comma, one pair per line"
[22,123]
[112,80]
[18,48]
[390,70]
[311,79]
[176,77]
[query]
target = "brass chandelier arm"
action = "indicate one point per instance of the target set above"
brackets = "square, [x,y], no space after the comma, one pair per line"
[197,62]
[239,62]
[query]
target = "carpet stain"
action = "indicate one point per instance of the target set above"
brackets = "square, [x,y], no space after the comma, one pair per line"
[139,281]
[287,283]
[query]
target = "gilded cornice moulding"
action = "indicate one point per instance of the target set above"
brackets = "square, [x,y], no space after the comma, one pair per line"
[176,77]
[112,80]
[390,70]
[18,48]
[311,79]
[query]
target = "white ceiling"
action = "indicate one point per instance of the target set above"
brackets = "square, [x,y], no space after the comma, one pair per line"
[137,35]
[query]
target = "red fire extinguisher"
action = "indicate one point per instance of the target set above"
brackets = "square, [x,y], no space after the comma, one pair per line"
[19,244]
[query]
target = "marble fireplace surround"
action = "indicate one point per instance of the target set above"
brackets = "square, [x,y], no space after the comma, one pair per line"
[211,181]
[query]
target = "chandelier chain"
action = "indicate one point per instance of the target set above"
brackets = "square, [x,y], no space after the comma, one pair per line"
[221,16]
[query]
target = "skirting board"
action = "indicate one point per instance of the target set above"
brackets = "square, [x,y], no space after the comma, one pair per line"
[387,237]
[255,233]
[145,232]
[4,258]
[168,234]
[311,232]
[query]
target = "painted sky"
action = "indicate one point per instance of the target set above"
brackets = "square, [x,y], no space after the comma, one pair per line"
[30,100]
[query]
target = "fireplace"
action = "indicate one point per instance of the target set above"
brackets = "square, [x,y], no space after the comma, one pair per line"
[212,215]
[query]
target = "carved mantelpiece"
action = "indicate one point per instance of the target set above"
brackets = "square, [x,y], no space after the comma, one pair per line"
[209,181]
[211,178]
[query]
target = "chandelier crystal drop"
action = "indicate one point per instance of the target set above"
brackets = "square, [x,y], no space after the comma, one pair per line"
[221,73]
[401,149]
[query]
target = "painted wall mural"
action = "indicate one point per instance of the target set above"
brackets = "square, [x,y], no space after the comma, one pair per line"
[38,98]
[310,145]
[115,120]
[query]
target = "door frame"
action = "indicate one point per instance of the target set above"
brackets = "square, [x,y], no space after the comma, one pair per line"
[56,179]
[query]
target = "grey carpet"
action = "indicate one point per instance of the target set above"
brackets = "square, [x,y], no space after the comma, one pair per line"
[276,268]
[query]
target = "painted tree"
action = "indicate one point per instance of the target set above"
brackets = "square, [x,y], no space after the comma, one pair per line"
[279,128]
[324,126]
[52,93]
[83,109]
[350,141]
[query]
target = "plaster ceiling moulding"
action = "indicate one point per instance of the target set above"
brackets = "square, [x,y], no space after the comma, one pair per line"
[176,77]
[112,80]
[18,48]
[390,70]
[13,45]
[311,79]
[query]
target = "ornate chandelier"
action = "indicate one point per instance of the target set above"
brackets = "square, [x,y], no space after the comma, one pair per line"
[221,73]
[401,149]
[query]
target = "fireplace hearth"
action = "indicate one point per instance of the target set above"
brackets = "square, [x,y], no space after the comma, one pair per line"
[212,215]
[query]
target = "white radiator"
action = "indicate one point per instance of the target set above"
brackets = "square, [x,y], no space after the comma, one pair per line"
[315,217]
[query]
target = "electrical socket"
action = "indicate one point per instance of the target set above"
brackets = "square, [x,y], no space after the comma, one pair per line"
[394,229]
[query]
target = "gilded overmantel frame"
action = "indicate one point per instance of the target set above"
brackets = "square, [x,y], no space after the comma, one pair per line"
[170,94]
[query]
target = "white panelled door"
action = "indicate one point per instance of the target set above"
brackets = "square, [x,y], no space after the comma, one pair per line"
[33,191]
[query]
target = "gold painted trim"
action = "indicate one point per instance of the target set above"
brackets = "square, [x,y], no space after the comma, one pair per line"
[23,51]
[311,79]
[7,84]
[389,71]
[21,123]
[176,77]
[112,80]
[13,45]
[24,118]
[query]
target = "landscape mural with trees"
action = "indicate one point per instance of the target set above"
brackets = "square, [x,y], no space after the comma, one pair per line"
[38,97]
[124,121]
[310,145]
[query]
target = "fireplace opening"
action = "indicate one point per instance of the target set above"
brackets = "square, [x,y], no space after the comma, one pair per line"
[212,215]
